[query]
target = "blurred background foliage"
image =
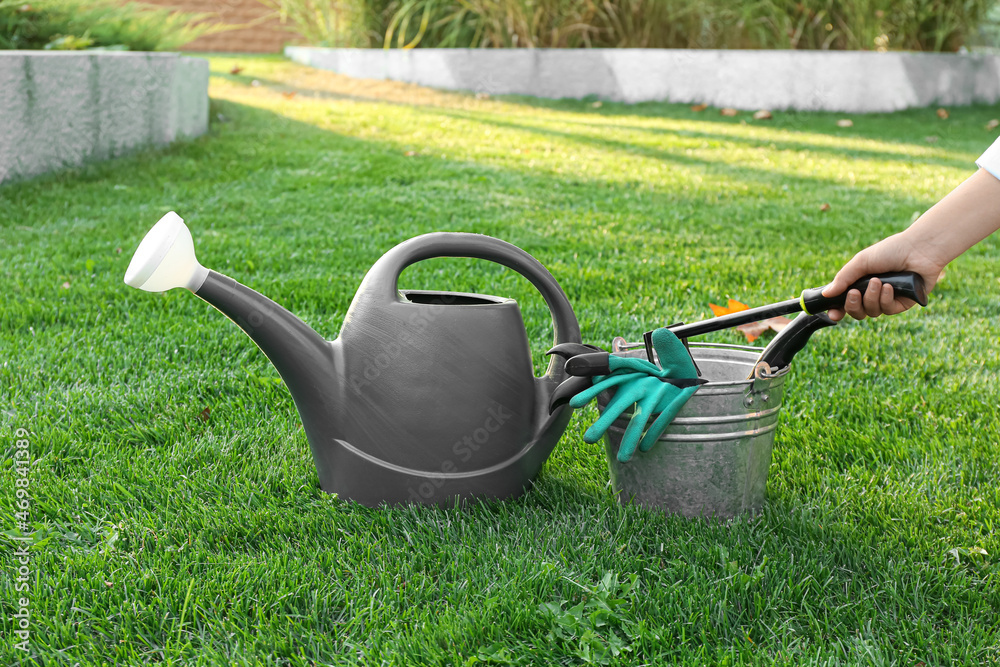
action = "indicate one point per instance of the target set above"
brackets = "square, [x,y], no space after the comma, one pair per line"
[874,25]
[99,24]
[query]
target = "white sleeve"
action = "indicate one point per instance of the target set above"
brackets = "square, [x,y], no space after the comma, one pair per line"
[990,160]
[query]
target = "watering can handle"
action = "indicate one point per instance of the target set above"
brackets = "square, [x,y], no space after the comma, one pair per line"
[383,278]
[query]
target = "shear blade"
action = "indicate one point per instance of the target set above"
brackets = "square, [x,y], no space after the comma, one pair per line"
[567,350]
[566,390]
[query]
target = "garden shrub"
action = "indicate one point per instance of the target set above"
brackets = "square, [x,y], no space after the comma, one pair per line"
[877,25]
[88,24]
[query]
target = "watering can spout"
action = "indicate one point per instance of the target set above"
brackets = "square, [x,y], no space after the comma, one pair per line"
[165,259]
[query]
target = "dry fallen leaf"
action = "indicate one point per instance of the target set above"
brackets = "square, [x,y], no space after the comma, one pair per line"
[731,307]
[728,111]
[763,114]
[993,124]
[942,113]
[236,69]
[845,122]
[203,415]
[698,107]
[778,322]
[752,330]
[824,207]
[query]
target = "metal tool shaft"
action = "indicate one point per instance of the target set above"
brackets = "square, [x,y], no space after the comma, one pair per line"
[736,319]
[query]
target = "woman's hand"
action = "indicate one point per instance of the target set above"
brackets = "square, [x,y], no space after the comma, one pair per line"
[965,216]
[896,253]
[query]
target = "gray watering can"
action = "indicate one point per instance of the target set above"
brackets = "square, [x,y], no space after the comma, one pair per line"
[426,396]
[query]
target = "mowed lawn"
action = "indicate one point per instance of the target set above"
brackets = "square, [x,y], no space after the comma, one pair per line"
[176,516]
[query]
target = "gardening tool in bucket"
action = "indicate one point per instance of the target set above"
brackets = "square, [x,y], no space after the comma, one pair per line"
[712,458]
[425,396]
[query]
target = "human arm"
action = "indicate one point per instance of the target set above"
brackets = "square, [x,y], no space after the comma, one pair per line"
[963,218]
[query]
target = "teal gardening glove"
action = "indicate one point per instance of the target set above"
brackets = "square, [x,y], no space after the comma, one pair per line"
[638,386]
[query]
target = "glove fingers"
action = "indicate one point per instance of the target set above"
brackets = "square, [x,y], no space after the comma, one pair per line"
[587,395]
[641,413]
[624,398]
[674,358]
[661,423]
[654,432]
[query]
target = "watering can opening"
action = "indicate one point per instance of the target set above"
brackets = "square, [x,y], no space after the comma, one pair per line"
[437,298]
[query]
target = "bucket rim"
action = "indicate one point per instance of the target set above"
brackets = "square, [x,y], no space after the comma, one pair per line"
[731,346]
[780,373]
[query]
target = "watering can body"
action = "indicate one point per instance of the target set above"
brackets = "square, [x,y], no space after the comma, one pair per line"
[425,397]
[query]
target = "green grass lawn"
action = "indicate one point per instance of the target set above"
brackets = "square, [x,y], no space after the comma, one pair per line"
[176,515]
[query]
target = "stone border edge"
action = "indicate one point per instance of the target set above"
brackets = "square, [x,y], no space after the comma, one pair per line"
[842,81]
[65,109]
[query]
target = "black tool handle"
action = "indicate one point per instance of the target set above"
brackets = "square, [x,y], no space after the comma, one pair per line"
[793,338]
[589,365]
[906,284]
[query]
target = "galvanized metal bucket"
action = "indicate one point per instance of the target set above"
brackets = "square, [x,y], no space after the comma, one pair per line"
[713,459]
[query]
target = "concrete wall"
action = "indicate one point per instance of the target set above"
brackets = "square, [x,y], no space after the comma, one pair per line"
[849,81]
[60,109]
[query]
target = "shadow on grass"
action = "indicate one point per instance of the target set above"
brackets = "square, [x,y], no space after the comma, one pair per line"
[653,110]
[803,145]
[756,175]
